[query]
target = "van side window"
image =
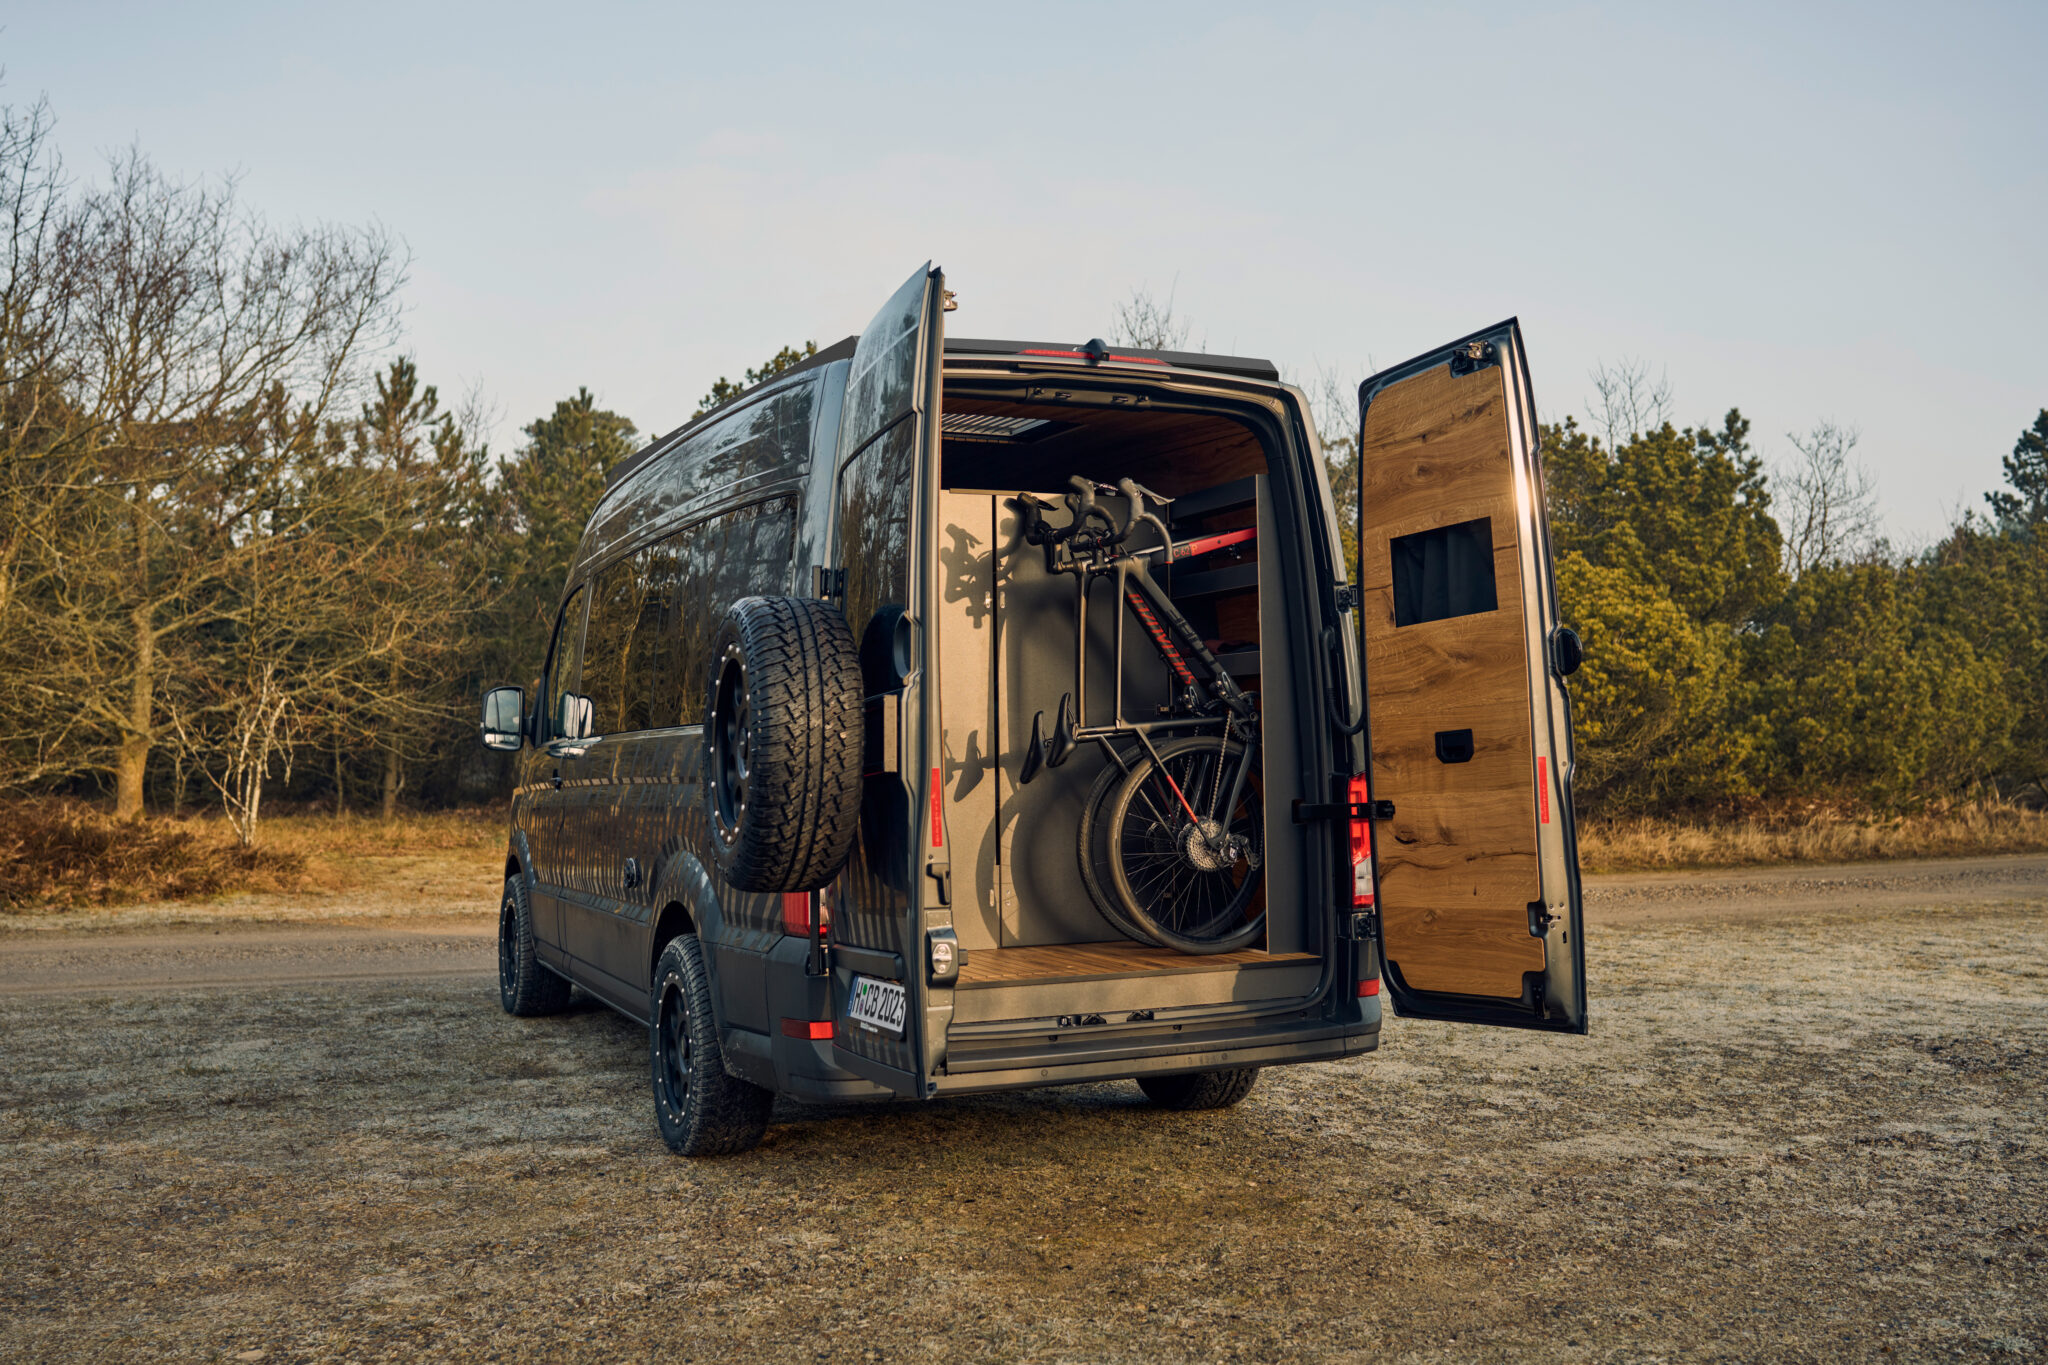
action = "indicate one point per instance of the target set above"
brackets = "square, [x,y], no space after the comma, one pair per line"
[618,649]
[653,614]
[874,533]
[565,708]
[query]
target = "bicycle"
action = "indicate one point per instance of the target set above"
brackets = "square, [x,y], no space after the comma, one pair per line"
[1171,836]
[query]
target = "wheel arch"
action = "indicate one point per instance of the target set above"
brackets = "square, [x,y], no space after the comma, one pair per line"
[689,905]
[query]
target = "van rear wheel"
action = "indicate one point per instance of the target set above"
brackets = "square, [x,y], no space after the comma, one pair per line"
[1203,1090]
[782,744]
[701,1109]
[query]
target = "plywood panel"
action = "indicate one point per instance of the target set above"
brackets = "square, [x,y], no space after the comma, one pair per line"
[1080,961]
[1458,864]
[966,639]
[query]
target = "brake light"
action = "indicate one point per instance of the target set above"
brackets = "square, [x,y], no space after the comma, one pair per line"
[1360,794]
[817,1030]
[1084,355]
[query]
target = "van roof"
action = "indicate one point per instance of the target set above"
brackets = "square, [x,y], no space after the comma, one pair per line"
[1246,367]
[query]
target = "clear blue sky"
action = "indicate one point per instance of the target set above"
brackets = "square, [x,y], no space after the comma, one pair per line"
[1811,212]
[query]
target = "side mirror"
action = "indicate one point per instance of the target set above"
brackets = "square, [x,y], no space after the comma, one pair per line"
[504,718]
[1566,653]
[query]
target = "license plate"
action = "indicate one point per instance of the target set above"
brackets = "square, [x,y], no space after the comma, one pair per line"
[878,1004]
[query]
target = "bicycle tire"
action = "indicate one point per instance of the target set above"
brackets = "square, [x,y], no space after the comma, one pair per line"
[1092,852]
[1180,903]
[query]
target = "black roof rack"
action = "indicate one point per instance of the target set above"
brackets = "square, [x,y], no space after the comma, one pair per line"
[1248,367]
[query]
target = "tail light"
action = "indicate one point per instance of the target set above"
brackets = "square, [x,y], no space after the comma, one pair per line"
[1359,797]
[817,1030]
[797,909]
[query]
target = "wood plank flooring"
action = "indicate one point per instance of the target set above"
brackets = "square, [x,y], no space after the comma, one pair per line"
[1081,961]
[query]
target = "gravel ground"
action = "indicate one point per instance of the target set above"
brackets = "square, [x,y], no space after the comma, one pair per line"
[1810,1135]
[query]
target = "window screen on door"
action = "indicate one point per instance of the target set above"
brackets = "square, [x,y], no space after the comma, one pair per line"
[1444,573]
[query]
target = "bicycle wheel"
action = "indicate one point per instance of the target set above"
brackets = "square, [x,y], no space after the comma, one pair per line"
[1187,870]
[1093,851]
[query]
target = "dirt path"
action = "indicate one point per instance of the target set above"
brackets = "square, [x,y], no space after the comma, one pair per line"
[1818,1135]
[205,956]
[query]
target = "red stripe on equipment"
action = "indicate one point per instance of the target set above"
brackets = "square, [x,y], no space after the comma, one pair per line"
[1543,787]
[1208,544]
[938,794]
[1158,633]
[796,913]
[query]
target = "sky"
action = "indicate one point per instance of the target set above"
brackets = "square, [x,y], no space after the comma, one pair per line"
[1811,212]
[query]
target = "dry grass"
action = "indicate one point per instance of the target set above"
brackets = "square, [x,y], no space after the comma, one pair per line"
[66,856]
[64,853]
[1651,843]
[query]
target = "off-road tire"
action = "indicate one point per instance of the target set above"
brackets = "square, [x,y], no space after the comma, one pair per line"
[701,1109]
[1202,1090]
[525,987]
[1092,852]
[782,744]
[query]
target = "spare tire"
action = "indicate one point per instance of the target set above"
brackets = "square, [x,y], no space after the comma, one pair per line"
[782,744]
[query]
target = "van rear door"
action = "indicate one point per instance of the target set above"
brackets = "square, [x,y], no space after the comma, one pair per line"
[1476,872]
[888,1027]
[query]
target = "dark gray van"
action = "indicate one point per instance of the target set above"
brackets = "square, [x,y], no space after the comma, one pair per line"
[946,716]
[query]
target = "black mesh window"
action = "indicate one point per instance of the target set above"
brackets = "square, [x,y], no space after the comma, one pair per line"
[1444,573]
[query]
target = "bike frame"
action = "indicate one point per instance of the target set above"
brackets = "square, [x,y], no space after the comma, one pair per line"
[1179,645]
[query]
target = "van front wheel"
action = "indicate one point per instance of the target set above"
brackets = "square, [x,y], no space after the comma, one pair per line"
[782,744]
[1203,1090]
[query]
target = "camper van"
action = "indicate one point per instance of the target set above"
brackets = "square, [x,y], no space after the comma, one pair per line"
[944,716]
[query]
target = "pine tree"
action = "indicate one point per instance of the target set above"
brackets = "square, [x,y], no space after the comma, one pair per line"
[2026,469]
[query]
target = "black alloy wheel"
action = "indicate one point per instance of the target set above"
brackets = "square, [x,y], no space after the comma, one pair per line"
[731,736]
[525,987]
[700,1107]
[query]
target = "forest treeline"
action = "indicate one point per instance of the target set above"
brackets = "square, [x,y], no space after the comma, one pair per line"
[248,551]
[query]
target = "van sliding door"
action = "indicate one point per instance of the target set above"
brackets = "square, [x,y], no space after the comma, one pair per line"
[887,491]
[1477,871]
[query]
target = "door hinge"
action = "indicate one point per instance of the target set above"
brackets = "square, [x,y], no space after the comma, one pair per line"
[1309,812]
[1348,598]
[828,584]
[1474,356]
[942,873]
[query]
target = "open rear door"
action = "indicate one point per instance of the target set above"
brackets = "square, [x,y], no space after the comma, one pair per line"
[890,1019]
[1476,873]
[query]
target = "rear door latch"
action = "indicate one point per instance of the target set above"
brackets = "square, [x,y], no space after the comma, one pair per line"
[1309,812]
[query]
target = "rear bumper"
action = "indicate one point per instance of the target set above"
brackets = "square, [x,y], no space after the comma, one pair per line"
[972,1070]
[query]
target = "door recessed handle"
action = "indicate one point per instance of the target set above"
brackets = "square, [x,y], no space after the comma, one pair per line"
[1454,746]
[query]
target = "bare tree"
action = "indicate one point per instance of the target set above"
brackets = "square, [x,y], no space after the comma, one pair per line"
[169,363]
[1829,502]
[1146,324]
[1627,401]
